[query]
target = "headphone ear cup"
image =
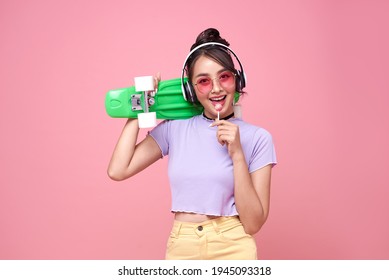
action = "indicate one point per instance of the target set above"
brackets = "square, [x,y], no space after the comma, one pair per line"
[189,92]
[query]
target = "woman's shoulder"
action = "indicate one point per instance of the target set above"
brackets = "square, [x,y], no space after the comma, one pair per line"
[250,126]
[253,131]
[178,123]
[186,121]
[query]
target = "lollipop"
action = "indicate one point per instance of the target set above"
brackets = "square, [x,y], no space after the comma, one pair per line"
[218,108]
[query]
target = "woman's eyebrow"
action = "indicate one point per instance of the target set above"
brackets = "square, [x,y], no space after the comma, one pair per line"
[207,74]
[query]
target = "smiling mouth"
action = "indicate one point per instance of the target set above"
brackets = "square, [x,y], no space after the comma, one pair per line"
[218,99]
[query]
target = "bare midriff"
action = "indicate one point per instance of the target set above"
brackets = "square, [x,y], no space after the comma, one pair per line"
[192,217]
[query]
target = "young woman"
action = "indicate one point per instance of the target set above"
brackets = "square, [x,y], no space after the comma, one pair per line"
[219,165]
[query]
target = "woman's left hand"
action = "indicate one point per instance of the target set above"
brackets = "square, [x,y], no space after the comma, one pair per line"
[228,134]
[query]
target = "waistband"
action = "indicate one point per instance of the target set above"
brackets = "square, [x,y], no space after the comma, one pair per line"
[217,225]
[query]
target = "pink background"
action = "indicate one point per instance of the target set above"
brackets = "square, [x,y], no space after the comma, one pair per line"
[317,79]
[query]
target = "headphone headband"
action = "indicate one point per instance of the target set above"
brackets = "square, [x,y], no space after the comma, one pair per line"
[204,45]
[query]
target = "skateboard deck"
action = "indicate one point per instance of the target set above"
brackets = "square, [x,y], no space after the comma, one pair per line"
[167,102]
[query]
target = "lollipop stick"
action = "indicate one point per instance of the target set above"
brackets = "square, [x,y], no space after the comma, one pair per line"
[218,108]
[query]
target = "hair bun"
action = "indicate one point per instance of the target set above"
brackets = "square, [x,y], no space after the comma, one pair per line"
[209,35]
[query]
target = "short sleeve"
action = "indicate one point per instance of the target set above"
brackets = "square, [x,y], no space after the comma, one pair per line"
[160,134]
[263,152]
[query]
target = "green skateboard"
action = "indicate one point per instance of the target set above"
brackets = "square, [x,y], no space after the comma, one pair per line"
[143,102]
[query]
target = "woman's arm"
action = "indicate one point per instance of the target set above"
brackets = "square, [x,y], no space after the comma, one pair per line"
[251,191]
[252,195]
[129,158]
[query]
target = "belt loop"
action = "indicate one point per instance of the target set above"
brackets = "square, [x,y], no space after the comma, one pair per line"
[215,226]
[177,228]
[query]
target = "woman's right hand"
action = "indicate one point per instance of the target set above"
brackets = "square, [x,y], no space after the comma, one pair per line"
[157,79]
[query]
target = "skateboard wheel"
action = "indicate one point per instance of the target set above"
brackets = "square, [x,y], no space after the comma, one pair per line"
[144,83]
[147,119]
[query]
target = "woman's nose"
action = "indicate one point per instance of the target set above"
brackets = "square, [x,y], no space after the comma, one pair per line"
[216,86]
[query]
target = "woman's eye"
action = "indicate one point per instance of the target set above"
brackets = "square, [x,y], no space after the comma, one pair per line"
[203,81]
[225,76]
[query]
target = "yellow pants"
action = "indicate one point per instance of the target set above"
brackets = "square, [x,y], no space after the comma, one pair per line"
[218,239]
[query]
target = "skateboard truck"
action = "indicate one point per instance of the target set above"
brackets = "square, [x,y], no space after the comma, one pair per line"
[144,84]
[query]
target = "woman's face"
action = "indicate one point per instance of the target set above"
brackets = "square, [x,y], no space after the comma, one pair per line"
[213,85]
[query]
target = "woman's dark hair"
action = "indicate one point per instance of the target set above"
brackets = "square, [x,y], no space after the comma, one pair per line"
[214,52]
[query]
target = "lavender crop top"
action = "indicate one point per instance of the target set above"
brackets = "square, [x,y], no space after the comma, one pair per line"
[200,169]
